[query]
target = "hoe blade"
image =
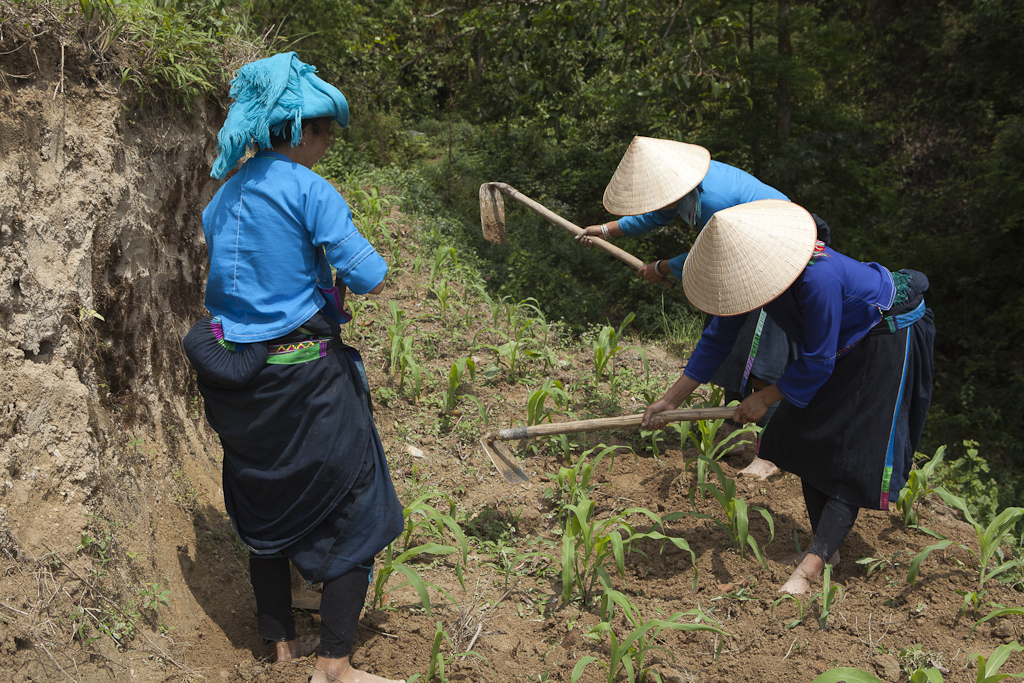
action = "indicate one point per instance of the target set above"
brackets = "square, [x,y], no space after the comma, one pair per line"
[492,213]
[504,461]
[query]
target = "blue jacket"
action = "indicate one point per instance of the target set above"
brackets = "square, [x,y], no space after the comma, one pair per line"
[273,231]
[830,307]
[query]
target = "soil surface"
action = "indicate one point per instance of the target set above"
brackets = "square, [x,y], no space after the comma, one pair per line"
[117,562]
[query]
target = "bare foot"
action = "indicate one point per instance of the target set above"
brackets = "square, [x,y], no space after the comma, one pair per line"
[759,469]
[800,580]
[799,557]
[341,671]
[285,650]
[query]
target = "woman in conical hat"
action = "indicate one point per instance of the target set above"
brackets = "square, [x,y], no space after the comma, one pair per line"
[657,180]
[306,482]
[852,406]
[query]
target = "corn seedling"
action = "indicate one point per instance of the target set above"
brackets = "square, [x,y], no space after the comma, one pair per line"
[848,675]
[1000,611]
[988,670]
[917,487]
[438,662]
[455,374]
[513,323]
[402,358]
[703,438]
[990,539]
[358,307]
[840,674]
[535,410]
[420,516]
[574,483]
[800,610]
[589,544]
[443,294]
[830,595]
[655,436]
[632,655]
[370,211]
[737,518]
[537,413]
[606,346]
[441,258]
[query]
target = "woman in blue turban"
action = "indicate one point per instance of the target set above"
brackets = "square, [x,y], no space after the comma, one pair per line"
[306,482]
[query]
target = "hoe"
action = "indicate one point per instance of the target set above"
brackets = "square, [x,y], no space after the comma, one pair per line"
[514,474]
[492,218]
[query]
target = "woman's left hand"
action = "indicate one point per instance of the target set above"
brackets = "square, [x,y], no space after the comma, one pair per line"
[650,273]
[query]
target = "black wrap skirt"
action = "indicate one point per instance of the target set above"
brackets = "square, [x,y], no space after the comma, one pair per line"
[855,440]
[305,473]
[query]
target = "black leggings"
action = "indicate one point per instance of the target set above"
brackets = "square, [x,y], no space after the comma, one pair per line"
[831,521]
[340,604]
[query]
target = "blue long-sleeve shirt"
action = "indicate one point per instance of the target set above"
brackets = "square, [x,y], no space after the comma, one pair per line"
[273,230]
[830,307]
[724,186]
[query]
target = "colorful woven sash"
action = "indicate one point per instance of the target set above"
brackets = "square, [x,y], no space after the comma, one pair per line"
[754,343]
[300,351]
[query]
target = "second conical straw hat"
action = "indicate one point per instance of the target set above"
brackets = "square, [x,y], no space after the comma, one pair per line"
[747,255]
[654,173]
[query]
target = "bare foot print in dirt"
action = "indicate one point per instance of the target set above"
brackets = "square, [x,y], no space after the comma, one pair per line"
[758,469]
[341,671]
[800,580]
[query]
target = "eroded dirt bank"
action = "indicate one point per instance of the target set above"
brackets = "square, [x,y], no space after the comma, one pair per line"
[102,446]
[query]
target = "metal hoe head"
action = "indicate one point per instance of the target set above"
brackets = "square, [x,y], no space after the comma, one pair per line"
[503,459]
[492,214]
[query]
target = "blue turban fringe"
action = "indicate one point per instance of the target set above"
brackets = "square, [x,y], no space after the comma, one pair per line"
[269,93]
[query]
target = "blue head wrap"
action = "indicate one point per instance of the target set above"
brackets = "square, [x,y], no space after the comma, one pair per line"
[269,94]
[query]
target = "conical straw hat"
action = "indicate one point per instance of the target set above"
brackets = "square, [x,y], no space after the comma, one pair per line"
[654,173]
[747,255]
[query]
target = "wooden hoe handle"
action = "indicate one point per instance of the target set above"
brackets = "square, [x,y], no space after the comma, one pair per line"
[623,421]
[544,212]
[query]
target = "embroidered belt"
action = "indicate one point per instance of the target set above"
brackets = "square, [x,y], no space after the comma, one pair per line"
[898,322]
[304,351]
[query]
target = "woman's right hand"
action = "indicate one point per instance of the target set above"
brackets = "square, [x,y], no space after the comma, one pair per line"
[671,400]
[651,421]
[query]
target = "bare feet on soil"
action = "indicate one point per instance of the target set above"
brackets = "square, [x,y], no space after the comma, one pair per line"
[800,580]
[758,469]
[341,671]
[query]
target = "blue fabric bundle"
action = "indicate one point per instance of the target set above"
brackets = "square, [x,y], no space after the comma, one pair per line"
[269,94]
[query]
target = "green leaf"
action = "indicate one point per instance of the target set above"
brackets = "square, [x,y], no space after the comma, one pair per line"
[915,564]
[847,675]
[997,613]
[416,582]
[577,670]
